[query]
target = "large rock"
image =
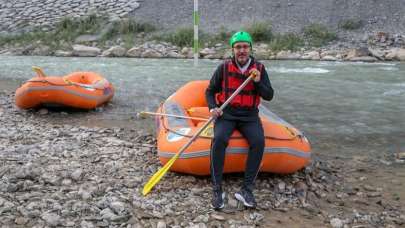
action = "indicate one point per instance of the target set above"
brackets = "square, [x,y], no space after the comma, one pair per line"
[42,50]
[174,54]
[329,58]
[115,51]
[85,51]
[313,55]
[288,55]
[135,52]
[207,51]
[364,59]
[357,52]
[379,54]
[150,53]
[401,54]
[328,52]
[262,51]
[396,54]
[61,53]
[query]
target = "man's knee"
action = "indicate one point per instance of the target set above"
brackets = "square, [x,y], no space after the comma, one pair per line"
[221,139]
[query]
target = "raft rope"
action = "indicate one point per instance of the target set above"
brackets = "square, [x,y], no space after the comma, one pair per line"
[67,83]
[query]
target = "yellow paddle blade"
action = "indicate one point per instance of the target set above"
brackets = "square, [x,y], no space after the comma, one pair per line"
[39,71]
[158,175]
[208,131]
[142,115]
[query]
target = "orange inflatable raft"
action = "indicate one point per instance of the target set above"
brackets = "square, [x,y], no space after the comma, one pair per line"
[286,150]
[83,90]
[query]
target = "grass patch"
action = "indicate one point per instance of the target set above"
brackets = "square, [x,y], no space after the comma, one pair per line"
[126,27]
[318,35]
[129,40]
[182,37]
[260,31]
[289,41]
[222,36]
[25,38]
[67,30]
[350,24]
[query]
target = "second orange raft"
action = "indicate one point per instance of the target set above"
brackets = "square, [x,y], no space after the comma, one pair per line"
[83,90]
[286,148]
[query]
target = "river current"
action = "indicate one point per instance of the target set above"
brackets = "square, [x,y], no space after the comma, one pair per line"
[346,109]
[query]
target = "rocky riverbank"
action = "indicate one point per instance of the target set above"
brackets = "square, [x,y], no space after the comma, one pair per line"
[368,32]
[54,174]
[382,49]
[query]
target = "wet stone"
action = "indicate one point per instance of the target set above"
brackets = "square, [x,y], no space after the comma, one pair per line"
[86,224]
[21,220]
[218,217]
[77,175]
[161,224]
[374,194]
[43,111]
[51,219]
[336,223]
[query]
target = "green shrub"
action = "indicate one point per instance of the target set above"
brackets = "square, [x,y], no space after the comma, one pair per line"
[222,36]
[260,31]
[26,38]
[318,35]
[182,37]
[350,24]
[127,26]
[129,40]
[289,41]
[68,29]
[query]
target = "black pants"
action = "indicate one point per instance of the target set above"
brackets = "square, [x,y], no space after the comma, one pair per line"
[253,132]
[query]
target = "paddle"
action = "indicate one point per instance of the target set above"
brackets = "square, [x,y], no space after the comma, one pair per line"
[145,114]
[39,71]
[162,171]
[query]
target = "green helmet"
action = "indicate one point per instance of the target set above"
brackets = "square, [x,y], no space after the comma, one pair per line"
[241,36]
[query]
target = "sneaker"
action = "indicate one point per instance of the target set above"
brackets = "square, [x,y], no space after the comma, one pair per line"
[246,197]
[218,200]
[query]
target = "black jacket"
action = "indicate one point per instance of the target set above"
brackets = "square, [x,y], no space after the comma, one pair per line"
[263,88]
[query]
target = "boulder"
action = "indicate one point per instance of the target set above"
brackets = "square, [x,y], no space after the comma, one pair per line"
[328,52]
[364,59]
[379,54]
[207,51]
[115,51]
[288,55]
[61,53]
[150,53]
[42,50]
[396,54]
[357,52]
[174,54]
[85,51]
[401,54]
[135,52]
[186,51]
[262,52]
[329,58]
[313,55]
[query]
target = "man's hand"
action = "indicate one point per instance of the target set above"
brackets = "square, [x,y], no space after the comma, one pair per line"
[216,112]
[256,74]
